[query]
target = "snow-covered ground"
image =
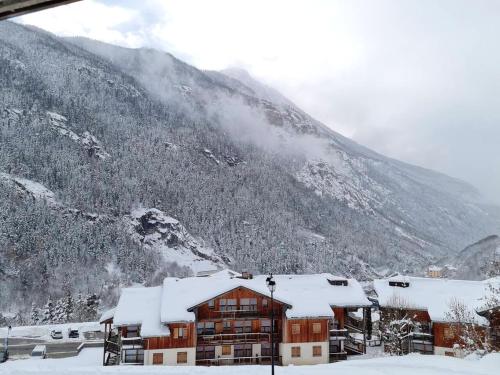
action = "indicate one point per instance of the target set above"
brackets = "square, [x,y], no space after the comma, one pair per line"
[89,362]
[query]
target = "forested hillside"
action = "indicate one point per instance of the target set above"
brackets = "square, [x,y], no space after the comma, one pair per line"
[122,166]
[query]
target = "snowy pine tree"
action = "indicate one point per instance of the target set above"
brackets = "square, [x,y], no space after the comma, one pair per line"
[35,314]
[68,307]
[48,312]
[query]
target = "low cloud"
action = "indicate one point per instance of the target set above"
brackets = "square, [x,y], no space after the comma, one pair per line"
[416,80]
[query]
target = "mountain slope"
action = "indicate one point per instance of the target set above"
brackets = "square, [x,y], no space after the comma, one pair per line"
[254,180]
[475,262]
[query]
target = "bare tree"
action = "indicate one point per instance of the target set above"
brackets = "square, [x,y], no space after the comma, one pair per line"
[396,326]
[469,335]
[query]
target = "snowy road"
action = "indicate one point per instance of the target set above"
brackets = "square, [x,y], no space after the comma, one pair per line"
[88,362]
[24,347]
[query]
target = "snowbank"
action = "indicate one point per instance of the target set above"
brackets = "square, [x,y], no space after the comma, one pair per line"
[89,362]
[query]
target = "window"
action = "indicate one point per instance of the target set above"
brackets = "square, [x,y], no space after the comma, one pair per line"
[264,302]
[227,325]
[265,325]
[227,304]
[133,356]
[132,331]
[182,357]
[317,351]
[295,351]
[205,328]
[316,328]
[448,333]
[205,352]
[295,329]
[243,326]
[178,333]
[265,350]
[335,346]
[243,351]
[248,304]
[226,349]
[338,282]
[211,304]
[157,358]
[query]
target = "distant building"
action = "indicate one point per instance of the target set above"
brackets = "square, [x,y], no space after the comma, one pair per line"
[427,301]
[435,271]
[224,318]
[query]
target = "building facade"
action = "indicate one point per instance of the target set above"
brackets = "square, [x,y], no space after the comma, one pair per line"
[225,319]
[428,303]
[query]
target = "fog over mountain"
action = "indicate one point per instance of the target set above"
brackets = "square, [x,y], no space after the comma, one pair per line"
[415,80]
[121,166]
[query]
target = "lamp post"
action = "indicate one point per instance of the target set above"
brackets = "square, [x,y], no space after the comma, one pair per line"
[6,343]
[271,285]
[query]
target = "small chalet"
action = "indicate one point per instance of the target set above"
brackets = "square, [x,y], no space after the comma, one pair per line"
[225,318]
[427,301]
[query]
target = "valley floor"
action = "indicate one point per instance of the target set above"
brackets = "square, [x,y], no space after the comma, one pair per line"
[89,362]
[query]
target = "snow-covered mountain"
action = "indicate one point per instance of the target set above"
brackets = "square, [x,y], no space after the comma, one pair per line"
[251,180]
[476,261]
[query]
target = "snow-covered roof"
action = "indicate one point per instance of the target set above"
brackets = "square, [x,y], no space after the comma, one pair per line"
[107,315]
[433,295]
[435,268]
[306,295]
[141,306]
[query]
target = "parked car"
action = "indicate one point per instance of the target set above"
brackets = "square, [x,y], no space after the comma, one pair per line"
[40,351]
[4,355]
[73,333]
[56,334]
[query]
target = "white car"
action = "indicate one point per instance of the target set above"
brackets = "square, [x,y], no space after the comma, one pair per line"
[56,335]
[40,352]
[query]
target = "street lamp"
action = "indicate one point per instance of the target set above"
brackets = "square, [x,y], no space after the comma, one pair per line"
[271,285]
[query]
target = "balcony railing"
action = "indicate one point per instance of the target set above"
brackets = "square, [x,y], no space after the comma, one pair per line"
[215,314]
[337,356]
[338,334]
[132,343]
[232,338]
[257,360]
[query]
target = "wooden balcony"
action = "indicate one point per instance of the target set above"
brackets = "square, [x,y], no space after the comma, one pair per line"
[338,334]
[257,360]
[132,343]
[420,342]
[237,338]
[337,356]
[237,313]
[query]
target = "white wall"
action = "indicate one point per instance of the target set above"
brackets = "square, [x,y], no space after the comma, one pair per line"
[170,356]
[306,353]
[441,350]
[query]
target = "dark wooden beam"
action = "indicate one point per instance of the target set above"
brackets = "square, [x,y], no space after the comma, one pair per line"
[14,8]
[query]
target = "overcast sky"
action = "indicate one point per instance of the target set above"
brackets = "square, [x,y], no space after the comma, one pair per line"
[416,80]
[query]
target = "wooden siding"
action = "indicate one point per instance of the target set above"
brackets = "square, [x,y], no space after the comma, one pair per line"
[340,315]
[447,334]
[204,312]
[306,330]
[421,316]
[187,341]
